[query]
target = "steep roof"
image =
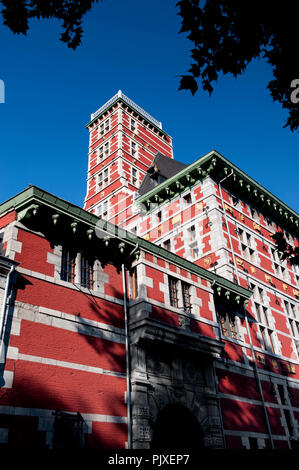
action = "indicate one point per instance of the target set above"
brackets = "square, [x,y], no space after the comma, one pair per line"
[161,169]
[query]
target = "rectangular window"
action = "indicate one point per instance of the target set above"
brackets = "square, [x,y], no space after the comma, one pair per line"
[258,314]
[192,233]
[235,201]
[133,286]
[194,251]
[106,149]
[243,250]
[68,263]
[86,273]
[133,149]
[166,245]
[294,310]
[253,444]
[134,176]
[159,217]
[107,125]
[228,326]
[268,339]
[281,394]
[186,297]
[187,199]
[105,210]
[68,431]
[100,153]
[106,177]
[276,269]
[101,129]
[251,255]
[283,272]
[288,419]
[133,125]
[260,295]
[173,291]
[100,180]
[240,232]
[248,239]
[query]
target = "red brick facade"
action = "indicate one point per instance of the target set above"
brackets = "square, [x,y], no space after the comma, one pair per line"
[212,312]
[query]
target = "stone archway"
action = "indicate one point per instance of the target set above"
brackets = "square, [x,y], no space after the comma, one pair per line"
[177,428]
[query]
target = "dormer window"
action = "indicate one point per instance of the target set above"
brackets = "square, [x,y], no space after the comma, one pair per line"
[187,199]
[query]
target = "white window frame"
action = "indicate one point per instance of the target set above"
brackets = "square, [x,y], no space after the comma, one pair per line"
[133,125]
[134,177]
[134,149]
[105,211]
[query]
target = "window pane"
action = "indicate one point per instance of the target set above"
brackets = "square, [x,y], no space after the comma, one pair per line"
[86,273]
[68,262]
[173,294]
[186,297]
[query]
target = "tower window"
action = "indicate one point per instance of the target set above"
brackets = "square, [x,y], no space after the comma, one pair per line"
[133,125]
[101,153]
[101,129]
[100,180]
[134,176]
[106,176]
[106,149]
[133,148]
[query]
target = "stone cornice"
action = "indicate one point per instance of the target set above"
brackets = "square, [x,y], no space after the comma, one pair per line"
[121,98]
[66,223]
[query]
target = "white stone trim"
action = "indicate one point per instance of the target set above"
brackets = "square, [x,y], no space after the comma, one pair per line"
[70,322]
[69,365]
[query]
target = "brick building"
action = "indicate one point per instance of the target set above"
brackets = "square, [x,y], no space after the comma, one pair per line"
[160,314]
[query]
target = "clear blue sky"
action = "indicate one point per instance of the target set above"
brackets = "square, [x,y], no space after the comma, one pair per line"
[134,46]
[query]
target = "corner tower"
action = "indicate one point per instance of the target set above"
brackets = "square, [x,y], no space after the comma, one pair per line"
[123,141]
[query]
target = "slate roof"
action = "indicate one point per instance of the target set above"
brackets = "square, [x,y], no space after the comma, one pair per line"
[160,170]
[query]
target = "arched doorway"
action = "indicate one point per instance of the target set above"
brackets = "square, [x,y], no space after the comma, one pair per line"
[176,428]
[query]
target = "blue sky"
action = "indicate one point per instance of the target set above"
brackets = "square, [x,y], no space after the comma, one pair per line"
[136,47]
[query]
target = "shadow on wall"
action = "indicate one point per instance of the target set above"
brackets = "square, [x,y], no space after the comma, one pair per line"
[47,414]
[50,406]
